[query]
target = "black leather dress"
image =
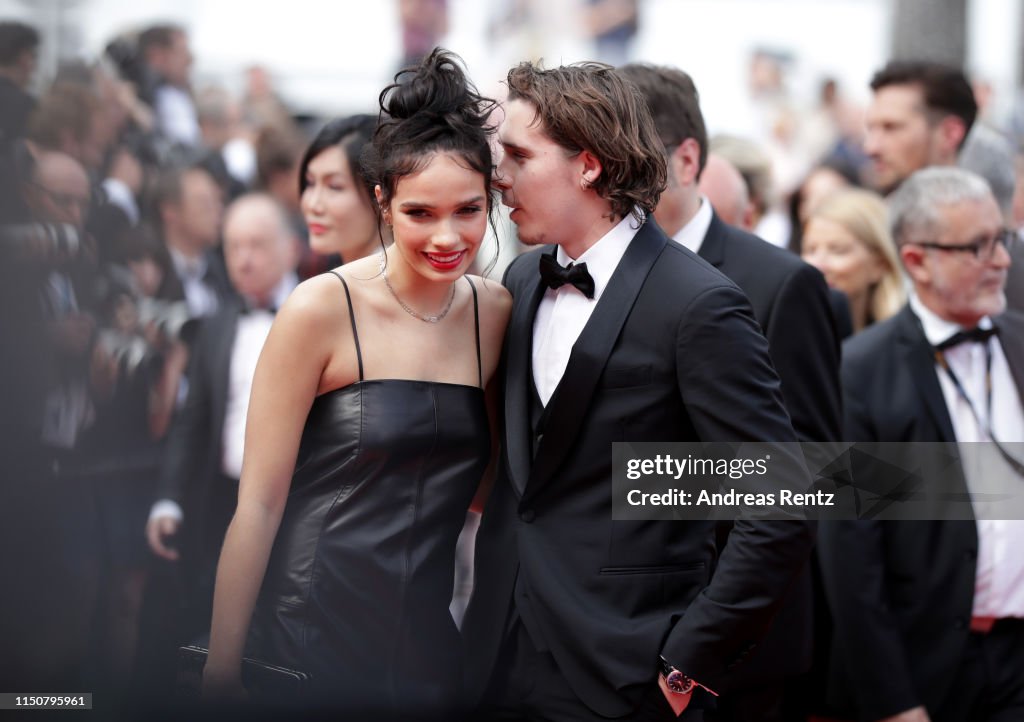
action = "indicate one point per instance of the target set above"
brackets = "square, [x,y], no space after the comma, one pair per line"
[360,577]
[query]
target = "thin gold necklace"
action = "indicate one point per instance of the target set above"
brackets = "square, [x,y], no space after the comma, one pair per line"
[410,311]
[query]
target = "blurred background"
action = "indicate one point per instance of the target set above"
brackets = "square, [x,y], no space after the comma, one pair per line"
[333,58]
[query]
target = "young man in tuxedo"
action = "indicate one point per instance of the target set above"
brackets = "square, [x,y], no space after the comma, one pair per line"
[637,340]
[929,614]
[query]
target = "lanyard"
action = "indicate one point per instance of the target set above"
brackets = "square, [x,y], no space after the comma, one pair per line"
[940,359]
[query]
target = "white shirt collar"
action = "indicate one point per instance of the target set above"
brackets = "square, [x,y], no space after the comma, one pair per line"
[691,235]
[192,268]
[936,328]
[603,257]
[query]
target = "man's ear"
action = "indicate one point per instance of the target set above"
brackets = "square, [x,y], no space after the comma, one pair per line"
[685,161]
[913,257]
[951,133]
[591,168]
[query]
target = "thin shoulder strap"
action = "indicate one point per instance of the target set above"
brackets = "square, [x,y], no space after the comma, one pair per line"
[352,318]
[476,321]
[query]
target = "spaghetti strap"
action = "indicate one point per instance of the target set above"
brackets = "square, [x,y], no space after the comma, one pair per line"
[476,321]
[355,334]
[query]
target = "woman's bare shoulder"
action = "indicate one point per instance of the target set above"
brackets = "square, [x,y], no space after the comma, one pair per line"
[315,300]
[492,294]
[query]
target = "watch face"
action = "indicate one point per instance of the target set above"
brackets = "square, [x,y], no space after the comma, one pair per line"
[679,682]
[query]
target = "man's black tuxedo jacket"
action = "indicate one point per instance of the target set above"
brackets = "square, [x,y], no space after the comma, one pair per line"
[1015,280]
[791,302]
[191,473]
[901,592]
[671,353]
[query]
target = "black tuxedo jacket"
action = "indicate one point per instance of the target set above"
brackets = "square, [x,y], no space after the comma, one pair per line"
[901,592]
[792,303]
[191,472]
[1015,281]
[671,353]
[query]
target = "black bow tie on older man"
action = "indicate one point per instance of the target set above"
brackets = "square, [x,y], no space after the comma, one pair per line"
[973,335]
[555,275]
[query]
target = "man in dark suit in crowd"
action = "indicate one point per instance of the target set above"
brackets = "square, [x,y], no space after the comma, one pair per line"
[722,184]
[929,615]
[920,115]
[791,302]
[789,297]
[190,208]
[203,458]
[639,340]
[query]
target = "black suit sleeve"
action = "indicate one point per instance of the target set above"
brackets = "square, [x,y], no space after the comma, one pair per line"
[804,345]
[852,553]
[190,434]
[731,393]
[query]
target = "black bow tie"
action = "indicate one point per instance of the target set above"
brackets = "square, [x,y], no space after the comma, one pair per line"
[974,335]
[555,275]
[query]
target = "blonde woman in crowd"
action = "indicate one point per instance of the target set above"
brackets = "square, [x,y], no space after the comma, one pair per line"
[847,238]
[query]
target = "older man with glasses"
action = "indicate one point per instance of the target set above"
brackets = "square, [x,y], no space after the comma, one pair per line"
[929,614]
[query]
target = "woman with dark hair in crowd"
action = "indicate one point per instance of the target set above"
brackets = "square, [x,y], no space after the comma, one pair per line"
[368,432]
[336,196]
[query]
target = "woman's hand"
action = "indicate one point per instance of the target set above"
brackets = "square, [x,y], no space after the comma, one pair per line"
[223,686]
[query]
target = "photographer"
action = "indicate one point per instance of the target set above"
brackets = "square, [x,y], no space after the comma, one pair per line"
[49,514]
[144,338]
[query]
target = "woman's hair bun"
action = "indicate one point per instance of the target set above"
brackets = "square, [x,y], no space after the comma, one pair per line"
[432,108]
[437,88]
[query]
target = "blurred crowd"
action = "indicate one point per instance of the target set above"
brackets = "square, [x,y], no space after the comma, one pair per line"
[115,182]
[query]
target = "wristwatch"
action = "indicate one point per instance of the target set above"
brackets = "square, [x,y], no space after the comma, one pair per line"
[677,682]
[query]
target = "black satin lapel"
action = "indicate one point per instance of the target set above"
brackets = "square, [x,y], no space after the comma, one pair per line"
[1011,338]
[518,378]
[921,360]
[712,248]
[220,358]
[590,354]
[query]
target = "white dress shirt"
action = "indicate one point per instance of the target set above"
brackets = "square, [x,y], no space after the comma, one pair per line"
[999,581]
[176,115]
[201,299]
[691,236]
[250,335]
[563,312]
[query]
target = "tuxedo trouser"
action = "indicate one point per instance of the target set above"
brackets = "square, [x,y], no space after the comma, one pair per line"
[527,685]
[989,683]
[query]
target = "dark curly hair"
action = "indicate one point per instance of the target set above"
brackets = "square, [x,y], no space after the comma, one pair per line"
[432,108]
[589,106]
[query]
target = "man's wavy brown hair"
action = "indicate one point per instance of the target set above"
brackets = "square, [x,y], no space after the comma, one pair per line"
[588,106]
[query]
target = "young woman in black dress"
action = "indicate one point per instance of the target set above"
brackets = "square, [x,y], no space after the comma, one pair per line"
[368,432]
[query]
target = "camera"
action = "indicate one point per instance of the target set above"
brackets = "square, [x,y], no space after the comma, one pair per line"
[42,242]
[171,319]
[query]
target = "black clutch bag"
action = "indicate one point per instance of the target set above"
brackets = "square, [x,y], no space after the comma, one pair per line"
[261,680]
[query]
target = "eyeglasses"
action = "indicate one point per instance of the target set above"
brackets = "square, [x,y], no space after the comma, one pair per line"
[983,248]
